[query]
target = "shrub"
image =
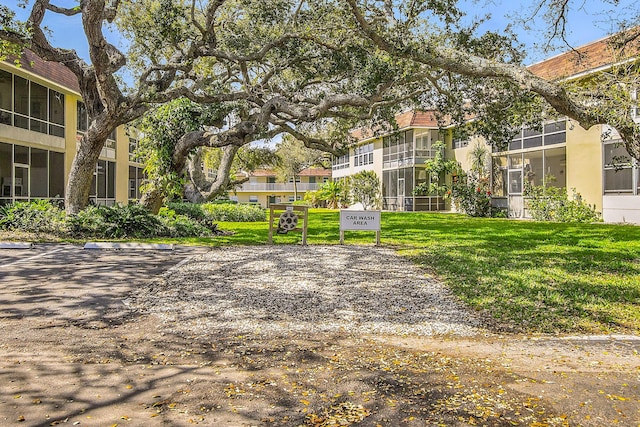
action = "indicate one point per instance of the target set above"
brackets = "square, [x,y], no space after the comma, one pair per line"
[233,213]
[334,194]
[553,204]
[116,222]
[314,199]
[192,210]
[38,216]
[223,202]
[364,188]
[182,225]
[87,222]
[472,196]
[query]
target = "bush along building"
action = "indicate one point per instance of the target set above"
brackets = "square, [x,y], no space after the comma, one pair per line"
[559,153]
[42,118]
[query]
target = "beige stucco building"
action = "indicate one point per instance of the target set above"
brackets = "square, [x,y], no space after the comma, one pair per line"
[42,118]
[264,188]
[592,162]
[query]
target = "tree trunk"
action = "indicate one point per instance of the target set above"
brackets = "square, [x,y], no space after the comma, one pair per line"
[82,170]
[295,188]
[152,201]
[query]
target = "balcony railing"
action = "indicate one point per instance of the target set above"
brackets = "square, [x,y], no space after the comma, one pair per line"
[278,186]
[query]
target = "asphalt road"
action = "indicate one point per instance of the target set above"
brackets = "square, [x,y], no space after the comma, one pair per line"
[67,282]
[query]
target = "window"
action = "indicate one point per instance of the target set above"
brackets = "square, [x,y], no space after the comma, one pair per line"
[133,146]
[341,162]
[6,101]
[30,173]
[39,173]
[101,177]
[21,102]
[555,164]
[6,171]
[56,113]
[111,140]
[104,183]
[56,175]
[253,199]
[532,168]
[38,108]
[500,179]
[424,145]
[136,177]
[363,155]
[460,143]
[33,106]
[549,134]
[619,169]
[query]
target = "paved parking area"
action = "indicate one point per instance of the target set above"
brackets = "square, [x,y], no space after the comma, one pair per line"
[64,282]
[74,350]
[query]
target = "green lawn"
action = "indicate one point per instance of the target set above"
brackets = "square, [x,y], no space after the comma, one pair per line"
[530,276]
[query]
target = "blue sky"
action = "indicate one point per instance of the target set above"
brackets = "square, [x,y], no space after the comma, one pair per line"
[591,21]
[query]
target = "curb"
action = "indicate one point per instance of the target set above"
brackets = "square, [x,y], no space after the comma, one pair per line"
[16,245]
[116,245]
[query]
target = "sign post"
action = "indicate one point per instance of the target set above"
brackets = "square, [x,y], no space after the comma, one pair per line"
[288,220]
[360,221]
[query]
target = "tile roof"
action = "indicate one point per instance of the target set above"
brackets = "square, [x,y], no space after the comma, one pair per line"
[408,119]
[52,71]
[306,172]
[590,57]
[415,118]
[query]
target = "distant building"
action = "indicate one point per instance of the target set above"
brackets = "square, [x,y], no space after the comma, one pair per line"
[561,154]
[263,187]
[398,159]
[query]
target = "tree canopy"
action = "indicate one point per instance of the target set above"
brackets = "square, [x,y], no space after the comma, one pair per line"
[297,66]
[293,158]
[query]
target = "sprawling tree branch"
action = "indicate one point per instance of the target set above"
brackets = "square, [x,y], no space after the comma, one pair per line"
[470,65]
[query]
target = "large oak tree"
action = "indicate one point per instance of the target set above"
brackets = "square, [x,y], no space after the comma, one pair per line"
[296,66]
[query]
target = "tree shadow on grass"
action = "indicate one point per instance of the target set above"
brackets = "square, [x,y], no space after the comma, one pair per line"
[540,277]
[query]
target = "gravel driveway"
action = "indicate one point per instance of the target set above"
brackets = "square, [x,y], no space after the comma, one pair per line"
[279,290]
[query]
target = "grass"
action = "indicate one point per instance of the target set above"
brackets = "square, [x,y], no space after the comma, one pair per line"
[528,276]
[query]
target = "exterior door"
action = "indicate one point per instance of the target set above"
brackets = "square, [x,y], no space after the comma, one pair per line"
[401,193]
[21,181]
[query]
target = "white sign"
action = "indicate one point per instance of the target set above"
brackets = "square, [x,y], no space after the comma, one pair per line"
[360,220]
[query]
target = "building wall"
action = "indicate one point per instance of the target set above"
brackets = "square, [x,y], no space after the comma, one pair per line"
[19,137]
[621,208]
[122,158]
[376,166]
[260,190]
[401,169]
[584,163]
[463,155]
